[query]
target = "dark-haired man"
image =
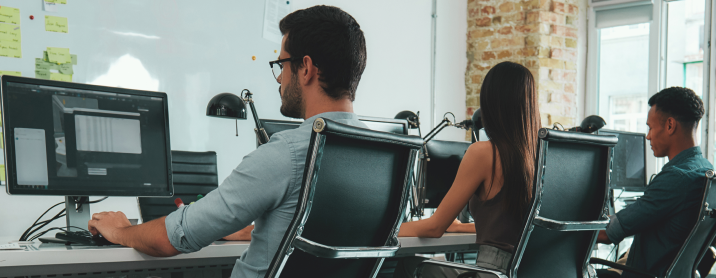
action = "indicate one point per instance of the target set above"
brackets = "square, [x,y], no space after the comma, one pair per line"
[662,219]
[322,58]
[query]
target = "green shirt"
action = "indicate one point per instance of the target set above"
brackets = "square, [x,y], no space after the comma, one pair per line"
[662,219]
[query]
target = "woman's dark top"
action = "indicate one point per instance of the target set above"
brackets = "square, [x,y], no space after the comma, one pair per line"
[493,224]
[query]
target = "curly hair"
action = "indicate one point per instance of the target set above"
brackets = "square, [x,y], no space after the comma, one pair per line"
[680,103]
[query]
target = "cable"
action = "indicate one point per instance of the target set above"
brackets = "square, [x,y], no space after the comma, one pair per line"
[24,235]
[41,224]
[80,202]
[44,232]
[57,216]
[55,228]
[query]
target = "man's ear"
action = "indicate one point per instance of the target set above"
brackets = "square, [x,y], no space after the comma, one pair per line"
[309,72]
[671,125]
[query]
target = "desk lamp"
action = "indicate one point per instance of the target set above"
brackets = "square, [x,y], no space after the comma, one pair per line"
[418,190]
[231,106]
[412,118]
[590,124]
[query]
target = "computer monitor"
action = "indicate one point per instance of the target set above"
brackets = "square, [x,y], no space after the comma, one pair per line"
[380,124]
[73,139]
[440,171]
[628,160]
[397,126]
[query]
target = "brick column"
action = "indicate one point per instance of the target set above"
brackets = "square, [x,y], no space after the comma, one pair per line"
[539,34]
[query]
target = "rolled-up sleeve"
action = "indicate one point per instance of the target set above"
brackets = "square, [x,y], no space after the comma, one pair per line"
[615,232]
[258,184]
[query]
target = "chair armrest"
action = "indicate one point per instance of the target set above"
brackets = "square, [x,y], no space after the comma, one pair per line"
[457,266]
[331,252]
[619,266]
[570,225]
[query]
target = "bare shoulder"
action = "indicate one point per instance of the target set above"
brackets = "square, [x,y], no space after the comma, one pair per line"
[480,149]
[480,152]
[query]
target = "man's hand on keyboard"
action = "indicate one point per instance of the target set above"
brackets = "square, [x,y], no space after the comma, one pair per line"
[108,223]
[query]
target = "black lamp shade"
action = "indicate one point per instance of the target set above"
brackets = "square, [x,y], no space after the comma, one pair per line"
[413,120]
[592,123]
[477,120]
[226,105]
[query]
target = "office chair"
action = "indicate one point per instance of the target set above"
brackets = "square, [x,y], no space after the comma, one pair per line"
[570,194]
[194,173]
[351,203]
[696,245]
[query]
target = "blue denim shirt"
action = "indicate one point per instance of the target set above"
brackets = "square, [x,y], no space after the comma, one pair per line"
[263,188]
[662,219]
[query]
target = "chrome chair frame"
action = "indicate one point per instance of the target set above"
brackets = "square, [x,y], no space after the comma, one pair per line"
[304,209]
[459,266]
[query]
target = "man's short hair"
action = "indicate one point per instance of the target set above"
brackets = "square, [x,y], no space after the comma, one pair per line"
[334,41]
[680,103]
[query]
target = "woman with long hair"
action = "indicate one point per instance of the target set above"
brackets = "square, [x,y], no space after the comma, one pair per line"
[495,177]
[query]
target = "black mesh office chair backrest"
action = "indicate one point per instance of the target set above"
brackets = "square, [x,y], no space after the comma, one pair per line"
[701,236]
[571,185]
[358,198]
[194,173]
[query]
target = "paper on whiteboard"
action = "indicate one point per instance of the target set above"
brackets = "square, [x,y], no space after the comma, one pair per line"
[49,6]
[274,11]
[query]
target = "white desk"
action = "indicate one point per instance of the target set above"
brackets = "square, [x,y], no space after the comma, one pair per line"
[44,259]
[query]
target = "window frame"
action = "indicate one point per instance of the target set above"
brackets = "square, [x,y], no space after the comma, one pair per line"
[657,68]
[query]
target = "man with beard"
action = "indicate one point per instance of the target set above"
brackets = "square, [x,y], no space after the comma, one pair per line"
[322,58]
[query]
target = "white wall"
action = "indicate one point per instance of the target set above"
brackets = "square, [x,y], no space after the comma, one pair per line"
[397,75]
[582,22]
[451,64]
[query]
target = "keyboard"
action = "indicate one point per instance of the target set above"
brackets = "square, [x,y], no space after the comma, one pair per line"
[83,238]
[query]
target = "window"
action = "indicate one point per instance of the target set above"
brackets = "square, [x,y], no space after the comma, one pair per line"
[623,79]
[684,46]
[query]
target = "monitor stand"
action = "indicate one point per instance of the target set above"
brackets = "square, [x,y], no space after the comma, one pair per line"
[77,216]
[78,212]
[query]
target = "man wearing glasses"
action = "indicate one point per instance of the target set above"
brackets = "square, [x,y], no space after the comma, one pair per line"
[322,58]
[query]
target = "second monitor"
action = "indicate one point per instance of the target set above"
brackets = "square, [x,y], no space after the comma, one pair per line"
[628,161]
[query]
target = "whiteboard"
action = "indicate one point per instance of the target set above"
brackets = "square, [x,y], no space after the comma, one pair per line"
[193,50]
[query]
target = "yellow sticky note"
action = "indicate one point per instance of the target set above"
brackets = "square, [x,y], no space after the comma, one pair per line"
[42,74]
[2,172]
[59,55]
[10,49]
[9,32]
[60,77]
[56,24]
[57,1]
[7,72]
[9,15]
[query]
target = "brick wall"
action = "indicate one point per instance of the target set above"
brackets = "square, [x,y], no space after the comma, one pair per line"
[539,34]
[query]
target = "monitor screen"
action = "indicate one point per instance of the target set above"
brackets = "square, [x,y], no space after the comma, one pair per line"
[82,140]
[445,159]
[628,160]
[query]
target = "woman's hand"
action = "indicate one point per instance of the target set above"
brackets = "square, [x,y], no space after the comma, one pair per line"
[458,227]
[454,226]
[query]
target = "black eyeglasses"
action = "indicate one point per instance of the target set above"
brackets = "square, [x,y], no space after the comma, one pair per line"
[277,66]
